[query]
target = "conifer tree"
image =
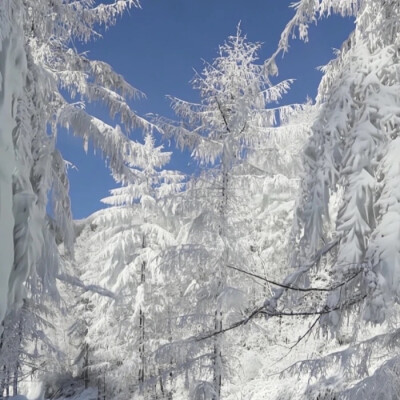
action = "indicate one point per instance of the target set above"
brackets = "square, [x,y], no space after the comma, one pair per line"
[124,331]
[47,64]
[232,117]
[347,153]
[348,200]
[45,85]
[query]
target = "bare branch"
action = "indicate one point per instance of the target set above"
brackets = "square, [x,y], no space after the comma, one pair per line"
[243,321]
[223,116]
[305,334]
[275,313]
[299,340]
[311,289]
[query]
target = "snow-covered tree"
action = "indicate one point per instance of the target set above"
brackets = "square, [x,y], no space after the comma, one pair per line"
[45,83]
[38,66]
[348,204]
[270,182]
[12,74]
[232,119]
[128,243]
[348,155]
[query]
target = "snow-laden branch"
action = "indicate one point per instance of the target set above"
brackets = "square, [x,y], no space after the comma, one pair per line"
[75,281]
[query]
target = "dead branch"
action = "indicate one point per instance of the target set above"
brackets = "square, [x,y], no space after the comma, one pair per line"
[275,313]
[298,289]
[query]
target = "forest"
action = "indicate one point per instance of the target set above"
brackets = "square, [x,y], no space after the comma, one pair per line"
[272,272]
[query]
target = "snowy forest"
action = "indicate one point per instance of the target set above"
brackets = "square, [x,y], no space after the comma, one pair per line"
[273,272]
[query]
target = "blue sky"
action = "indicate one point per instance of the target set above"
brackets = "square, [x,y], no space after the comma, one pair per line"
[156,49]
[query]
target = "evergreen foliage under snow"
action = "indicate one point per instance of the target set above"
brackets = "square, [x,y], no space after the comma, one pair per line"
[273,272]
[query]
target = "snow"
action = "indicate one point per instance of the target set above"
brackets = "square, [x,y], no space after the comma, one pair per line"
[12,73]
[162,272]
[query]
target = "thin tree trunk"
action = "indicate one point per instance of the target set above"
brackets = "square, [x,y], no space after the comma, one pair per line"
[142,324]
[3,382]
[86,366]
[104,386]
[98,389]
[15,382]
[217,359]
[7,385]
[3,373]
[161,383]
[16,367]
[141,346]
[171,363]
[217,362]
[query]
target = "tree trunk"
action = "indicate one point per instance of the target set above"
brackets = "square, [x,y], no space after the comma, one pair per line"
[7,384]
[171,363]
[142,324]
[98,389]
[86,366]
[104,386]
[217,356]
[3,383]
[141,346]
[15,381]
[3,372]
[217,362]
[20,333]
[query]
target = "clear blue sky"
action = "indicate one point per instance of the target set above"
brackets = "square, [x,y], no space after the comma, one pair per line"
[156,49]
